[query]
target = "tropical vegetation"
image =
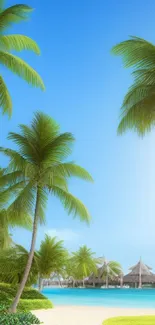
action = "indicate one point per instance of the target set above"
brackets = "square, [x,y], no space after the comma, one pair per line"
[51,258]
[18,43]
[110,270]
[142,320]
[19,319]
[37,168]
[84,262]
[31,299]
[9,220]
[138,108]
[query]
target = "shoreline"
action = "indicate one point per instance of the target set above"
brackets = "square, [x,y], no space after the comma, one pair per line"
[88,315]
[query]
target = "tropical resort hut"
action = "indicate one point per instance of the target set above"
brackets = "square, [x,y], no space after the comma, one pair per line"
[140,274]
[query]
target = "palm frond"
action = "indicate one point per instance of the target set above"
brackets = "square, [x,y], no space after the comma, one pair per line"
[136,52]
[21,68]
[140,117]
[70,169]
[24,202]
[2,5]
[14,14]
[72,204]
[42,204]
[18,162]
[18,42]
[5,99]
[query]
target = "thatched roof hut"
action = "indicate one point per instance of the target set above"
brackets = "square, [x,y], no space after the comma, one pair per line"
[140,274]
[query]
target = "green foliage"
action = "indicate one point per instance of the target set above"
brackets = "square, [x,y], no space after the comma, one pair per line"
[19,319]
[15,42]
[31,299]
[143,320]
[37,168]
[109,270]
[9,220]
[32,294]
[137,111]
[4,296]
[42,144]
[84,262]
[9,291]
[52,257]
[34,304]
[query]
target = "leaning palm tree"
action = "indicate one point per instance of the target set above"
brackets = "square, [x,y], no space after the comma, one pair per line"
[40,164]
[15,42]
[52,257]
[138,108]
[109,270]
[85,262]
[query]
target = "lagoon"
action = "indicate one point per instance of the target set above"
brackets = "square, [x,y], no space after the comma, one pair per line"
[123,298]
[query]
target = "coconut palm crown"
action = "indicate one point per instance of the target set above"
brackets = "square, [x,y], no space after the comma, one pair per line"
[17,43]
[85,262]
[39,167]
[138,108]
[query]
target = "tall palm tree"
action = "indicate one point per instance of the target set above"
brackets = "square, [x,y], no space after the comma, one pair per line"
[15,42]
[85,262]
[138,108]
[52,257]
[109,270]
[40,164]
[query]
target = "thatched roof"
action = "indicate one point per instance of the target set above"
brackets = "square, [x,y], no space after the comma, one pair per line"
[140,270]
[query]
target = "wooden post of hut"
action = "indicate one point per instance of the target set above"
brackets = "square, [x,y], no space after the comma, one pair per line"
[121,280]
[140,274]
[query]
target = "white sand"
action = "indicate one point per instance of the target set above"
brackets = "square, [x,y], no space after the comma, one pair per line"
[81,315]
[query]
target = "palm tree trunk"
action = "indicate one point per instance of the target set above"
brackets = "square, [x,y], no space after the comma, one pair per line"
[13,307]
[107,281]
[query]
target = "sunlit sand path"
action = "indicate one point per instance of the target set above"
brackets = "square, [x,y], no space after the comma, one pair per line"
[83,315]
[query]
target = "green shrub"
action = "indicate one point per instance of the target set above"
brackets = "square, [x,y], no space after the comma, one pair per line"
[143,320]
[31,299]
[34,304]
[4,296]
[28,293]
[32,294]
[19,319]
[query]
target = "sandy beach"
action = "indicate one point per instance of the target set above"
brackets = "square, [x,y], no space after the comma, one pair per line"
[72,315]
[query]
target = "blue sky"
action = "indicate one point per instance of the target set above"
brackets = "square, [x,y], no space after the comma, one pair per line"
[85,86]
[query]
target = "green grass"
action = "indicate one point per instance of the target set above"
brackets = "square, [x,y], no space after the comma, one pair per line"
[143,320]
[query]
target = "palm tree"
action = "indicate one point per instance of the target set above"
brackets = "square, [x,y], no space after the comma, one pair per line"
[138,108]
[70,271]
[109,270]
[52,257]
[40,164]
[85,262]
[15,42]
[12,266]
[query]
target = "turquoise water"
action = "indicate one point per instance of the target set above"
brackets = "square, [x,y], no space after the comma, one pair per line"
[134,298]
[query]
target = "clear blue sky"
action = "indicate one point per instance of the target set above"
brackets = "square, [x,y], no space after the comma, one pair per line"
[85,86]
